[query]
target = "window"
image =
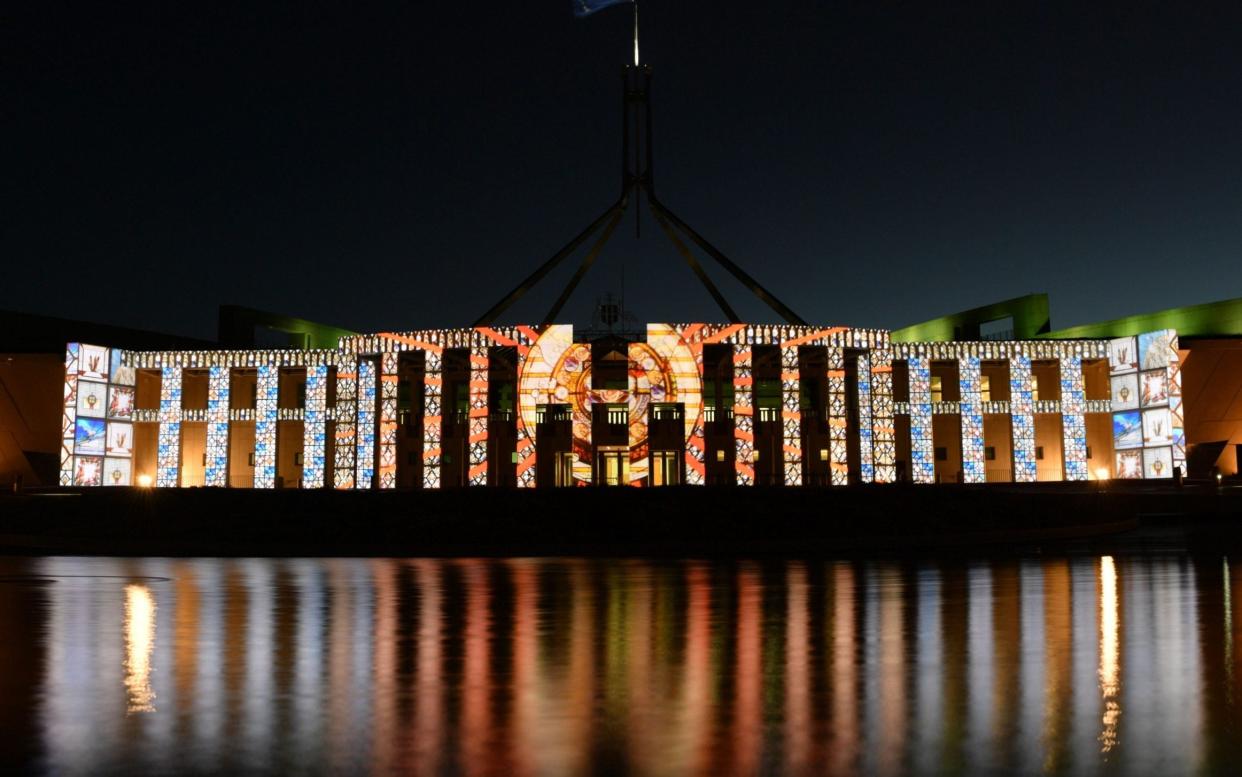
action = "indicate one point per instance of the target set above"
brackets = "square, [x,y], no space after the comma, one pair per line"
[1035,390]
[823,454]
[942,454]
[618,415]
[297,459]
[989,453]
[720,455]
[563,469]
[665,469]
[985,388]
[937,388]
[1039,452]
[1088,451]
[614,466]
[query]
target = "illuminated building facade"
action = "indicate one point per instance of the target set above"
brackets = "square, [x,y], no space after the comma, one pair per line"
[692,404]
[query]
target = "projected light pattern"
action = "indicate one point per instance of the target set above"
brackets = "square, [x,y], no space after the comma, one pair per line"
[682,369]
[433,417]
[866,434]
[217,469]
[884,445]
[314,426]
[365,465]
[1176,413]
[1022,419]
[791,415]
[665,367]
[266,421]
[477,473]
[168,455]
[345,437]
[838,431]
[1073,425]
[389,384]
[69,415]
[743,416]
[971,411]
[922,451]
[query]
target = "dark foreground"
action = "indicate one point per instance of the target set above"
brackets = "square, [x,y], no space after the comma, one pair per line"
[666,522]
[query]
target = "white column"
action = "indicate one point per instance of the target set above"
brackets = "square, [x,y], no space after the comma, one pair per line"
[168,460]
[314,426]
[922,451]
[970,408]
[791,415]
[217,469]
[266,420]
[1073,427]
[1022,419]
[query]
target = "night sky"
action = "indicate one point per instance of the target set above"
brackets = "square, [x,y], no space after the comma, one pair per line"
[873,164]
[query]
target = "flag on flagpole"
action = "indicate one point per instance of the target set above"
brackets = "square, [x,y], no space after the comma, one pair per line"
[587,7]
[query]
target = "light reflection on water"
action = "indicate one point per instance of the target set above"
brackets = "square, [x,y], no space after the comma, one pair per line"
[566,667]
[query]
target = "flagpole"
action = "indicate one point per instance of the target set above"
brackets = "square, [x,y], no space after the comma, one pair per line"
[635,33]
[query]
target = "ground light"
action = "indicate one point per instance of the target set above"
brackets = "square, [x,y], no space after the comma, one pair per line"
[144,481]
[1101,473]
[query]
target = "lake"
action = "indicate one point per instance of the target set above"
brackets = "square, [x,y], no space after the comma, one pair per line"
[1070,665]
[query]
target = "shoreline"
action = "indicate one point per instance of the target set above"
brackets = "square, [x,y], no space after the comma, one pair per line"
[671,522]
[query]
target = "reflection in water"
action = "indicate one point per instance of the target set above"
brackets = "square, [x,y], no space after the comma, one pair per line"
[139,643]
[1110,652]
[566,667]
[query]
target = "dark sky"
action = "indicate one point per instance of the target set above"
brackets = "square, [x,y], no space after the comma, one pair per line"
[874,164]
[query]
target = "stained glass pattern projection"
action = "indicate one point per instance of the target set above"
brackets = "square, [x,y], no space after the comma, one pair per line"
[477,442]
[1073,425]
[168,454]
[217,469]
[922,451]
[681,384]
[791,415]
[743,416]
[885,460]
[69,415]
[866,436]
[314,426]
[1022,419]
[266,419]
[367,389]
[389,386]
[971,409]
[838,451]
[345,438]
[433,418]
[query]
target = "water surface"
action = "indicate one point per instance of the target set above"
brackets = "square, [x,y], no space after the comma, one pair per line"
[1126,665]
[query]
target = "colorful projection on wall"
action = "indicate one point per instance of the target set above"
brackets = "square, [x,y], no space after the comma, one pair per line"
[168,457]
[217,469]
[791,415]
[97,438]
[314,426]
[1022,420]
[367,379]
[671,374]
[743,416]
[1073,424]
[389,387]
[476,443]
[266,418]
[885,448]
[1145,382]
[971,407]
[346,436]
[838,433]
[922,451]
[433,415]
[866,434]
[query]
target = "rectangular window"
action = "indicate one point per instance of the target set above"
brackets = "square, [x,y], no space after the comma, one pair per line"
[985,388]
[1039,452]
[942,454]
[937,388]
[563,472]
[720,455]
[665,468]
[1035,389]
[823,454]
[989,453]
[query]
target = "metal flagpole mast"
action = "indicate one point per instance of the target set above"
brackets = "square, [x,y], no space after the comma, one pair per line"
[635,33]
